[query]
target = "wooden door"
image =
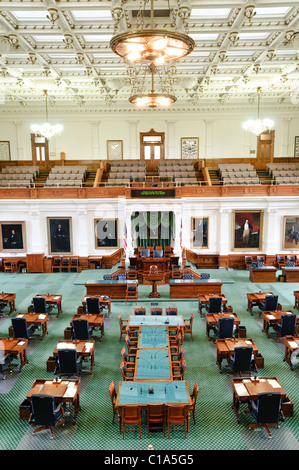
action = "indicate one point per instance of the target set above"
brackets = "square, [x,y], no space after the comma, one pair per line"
[265,149]
[40,151]
[152,149]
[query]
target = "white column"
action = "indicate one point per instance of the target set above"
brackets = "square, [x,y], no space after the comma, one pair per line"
[270,233]
[171,150]
[80,234]
[285,139]
[209,138]
[225,234]
[95,143]
[20,139]
[134,152]
[33,233]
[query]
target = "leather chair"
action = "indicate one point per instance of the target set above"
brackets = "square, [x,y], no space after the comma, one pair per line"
[93,305]
[287,325]
[241,361]
[46,414]
[21,328]
[81,329]
[68,363]
[270,304]
[266,411]
[214,305]
[225,328]
[40,305]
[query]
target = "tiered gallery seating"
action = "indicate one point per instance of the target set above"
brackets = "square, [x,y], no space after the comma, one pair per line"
[64,176]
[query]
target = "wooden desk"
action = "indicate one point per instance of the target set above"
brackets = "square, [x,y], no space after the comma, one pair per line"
[203,300]
[264,274]
[176,392]
[253,300]
[83,348]
[291,344]
[94,321]
[154,279]
[270,319]
[212,320]
[52,300]
[39,320]
[8,299]
[115,289]
[94,261]
[225,348]
[35,262]
[17,347]
[245,390]
[296,294]
[192,288]
[64,391]
[290,274]
[104,302]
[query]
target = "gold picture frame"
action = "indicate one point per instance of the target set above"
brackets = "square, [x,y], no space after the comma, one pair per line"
[200,232]
[106,233]
[296,147]
[189,147]
[114,149]
[5,155]
[290,233]
[247,230]
[59,235]
[13,237]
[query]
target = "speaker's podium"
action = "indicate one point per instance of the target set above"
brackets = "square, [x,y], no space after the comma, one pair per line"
[154,277]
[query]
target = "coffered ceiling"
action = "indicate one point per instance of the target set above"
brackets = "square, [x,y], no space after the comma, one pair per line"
[64,47]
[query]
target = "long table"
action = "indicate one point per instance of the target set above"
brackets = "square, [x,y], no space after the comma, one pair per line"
[192,288]
[156,320]
[115,289]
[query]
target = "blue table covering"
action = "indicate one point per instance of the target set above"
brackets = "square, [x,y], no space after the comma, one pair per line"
[155,320]
[153,337]
[164,392]
[152,364]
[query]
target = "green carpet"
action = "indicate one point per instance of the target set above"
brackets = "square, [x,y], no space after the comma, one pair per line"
[216,425]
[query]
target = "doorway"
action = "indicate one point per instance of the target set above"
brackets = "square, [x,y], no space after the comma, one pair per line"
[40,151]
[152,149]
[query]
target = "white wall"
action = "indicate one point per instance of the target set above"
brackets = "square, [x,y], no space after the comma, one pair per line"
[83,213]
[85,137]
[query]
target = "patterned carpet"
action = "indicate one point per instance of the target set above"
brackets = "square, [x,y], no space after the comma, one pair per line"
[216,426]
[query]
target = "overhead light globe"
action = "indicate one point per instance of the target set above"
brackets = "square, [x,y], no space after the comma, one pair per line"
[152,100]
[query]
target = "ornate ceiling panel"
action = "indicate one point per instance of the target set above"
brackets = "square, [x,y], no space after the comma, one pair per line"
[64,47]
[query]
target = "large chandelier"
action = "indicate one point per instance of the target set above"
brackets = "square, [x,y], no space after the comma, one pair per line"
[152,99]
[46,129]
[157,46]
[258,126]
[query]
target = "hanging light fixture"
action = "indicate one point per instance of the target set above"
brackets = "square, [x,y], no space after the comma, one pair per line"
[258,126]
[46,129]
[152,100]
[152,45]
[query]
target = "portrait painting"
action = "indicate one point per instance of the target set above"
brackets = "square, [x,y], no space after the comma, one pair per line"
[247,230]
[291,233]
[13,237]
[199,232]
[59,235]
[106,233]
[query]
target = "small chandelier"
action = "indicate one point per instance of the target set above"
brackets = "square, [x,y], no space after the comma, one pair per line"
[258,126]
[156,46]
[46,129]
[152,100]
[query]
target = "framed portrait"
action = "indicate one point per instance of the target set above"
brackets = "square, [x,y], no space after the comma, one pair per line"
[114,149]
[290,233]
[296,147]
[13,237]
[189,147]
[199,232]
[59,235]
[5,150]
[247,230]
[106,233]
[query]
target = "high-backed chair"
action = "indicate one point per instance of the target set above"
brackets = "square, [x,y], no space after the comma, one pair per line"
[131,346]
[131,416]
[175,271]
[287,325]
[56,266]
[241,361]
[248,262]
[93,305]
[115,411]
[128,359]
[157,311]
[189,326]
[21,328]
[68,363]
[46,414]
[127,372]
[40,305]
[214,305]
[140,311]
[65,264]
[155,417]
[178,373]
[157,253]
[270,304]
[266,411]
[225,328]
[131,293]
[145,253]
[171,311]
[81,329]
[261,259]
[177,363]
[8,267]
[280,260]
[291,258]
[177,418]
[74,264]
